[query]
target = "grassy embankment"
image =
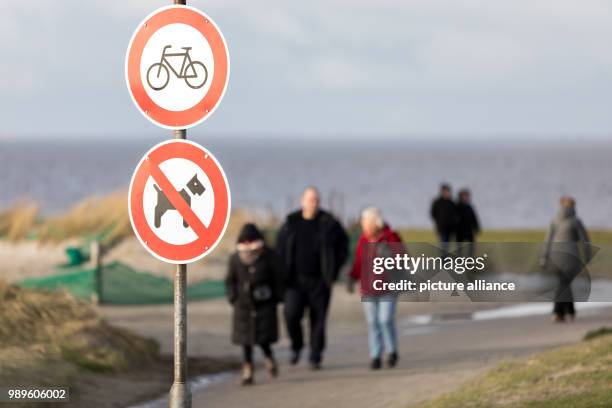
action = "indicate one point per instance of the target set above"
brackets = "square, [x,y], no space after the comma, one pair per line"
[575,376]
[104,216]
[523,258]
[107,216]
[106,219]
[502,235]
[51,339]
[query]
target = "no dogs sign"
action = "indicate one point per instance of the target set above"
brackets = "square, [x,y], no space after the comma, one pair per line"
[177,67]
[179,201]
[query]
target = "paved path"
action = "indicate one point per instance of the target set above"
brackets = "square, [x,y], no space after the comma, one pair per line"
[435,357]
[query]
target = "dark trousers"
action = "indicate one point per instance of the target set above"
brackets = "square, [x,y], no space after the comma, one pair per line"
[445,236]
[564,298]
[563,309]
[465,244]
[247,352]
[314,297]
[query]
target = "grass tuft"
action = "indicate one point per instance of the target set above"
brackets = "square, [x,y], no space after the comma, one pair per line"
[576,376]
[39,326]
[105,218]
[17,222]
[602,331]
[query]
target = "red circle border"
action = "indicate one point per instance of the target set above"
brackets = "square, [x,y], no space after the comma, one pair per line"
[200,111]
[203,244]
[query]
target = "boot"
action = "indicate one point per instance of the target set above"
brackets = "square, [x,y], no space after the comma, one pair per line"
[375,363]
[271,367]
[295,357]
[392,360]
[247,374]
[558,318]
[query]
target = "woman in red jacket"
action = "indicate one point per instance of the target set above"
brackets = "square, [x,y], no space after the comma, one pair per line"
[379,307]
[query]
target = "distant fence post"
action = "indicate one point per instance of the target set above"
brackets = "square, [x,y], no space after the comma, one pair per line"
[95,259]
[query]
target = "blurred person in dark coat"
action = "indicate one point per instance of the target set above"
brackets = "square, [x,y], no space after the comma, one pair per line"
[254,289]
[444,214]
[566,235]
[311,248]
[467,226]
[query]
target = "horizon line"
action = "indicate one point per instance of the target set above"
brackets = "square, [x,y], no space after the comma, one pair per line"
[328,137]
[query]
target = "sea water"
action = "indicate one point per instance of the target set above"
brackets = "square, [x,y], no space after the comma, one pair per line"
[514,184]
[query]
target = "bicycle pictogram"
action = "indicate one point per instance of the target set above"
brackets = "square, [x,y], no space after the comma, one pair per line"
[194,73]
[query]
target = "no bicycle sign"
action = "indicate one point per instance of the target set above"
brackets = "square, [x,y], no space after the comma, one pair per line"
[177,67]
[179,201]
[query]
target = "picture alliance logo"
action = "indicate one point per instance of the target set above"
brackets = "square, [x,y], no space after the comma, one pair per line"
[412,264]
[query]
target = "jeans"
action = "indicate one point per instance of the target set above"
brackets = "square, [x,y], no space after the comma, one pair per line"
[380,315]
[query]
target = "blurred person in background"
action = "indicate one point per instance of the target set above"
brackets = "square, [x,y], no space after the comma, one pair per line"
[379,308]
[444,214]
[311,248]
[565,236]
[467,223]
[253,287]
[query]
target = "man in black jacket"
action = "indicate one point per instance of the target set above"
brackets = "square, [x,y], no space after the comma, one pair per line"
[467,223]
[311,248]
[444,214]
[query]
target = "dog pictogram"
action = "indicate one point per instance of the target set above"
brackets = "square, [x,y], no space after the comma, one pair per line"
[163,204]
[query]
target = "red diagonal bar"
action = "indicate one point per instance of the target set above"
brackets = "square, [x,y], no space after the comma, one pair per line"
[176,199]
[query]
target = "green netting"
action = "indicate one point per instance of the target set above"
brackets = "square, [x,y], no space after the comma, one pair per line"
[207,289]
[80,283]
[122,285]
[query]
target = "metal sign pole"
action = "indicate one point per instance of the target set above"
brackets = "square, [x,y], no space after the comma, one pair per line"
[180,394]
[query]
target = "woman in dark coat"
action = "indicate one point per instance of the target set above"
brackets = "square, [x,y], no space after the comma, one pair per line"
[253,289]
[562,255]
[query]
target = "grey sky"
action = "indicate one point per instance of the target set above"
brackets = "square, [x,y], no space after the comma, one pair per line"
[326,67]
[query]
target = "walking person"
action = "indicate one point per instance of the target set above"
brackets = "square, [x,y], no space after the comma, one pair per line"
[311,248]
[379,308]
[467,223]
[565,236]
[444,213]
[254,289]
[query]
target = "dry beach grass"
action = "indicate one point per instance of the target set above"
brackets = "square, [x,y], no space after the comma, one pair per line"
[578,375]
[52,339]
[32,244]
[107,217]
